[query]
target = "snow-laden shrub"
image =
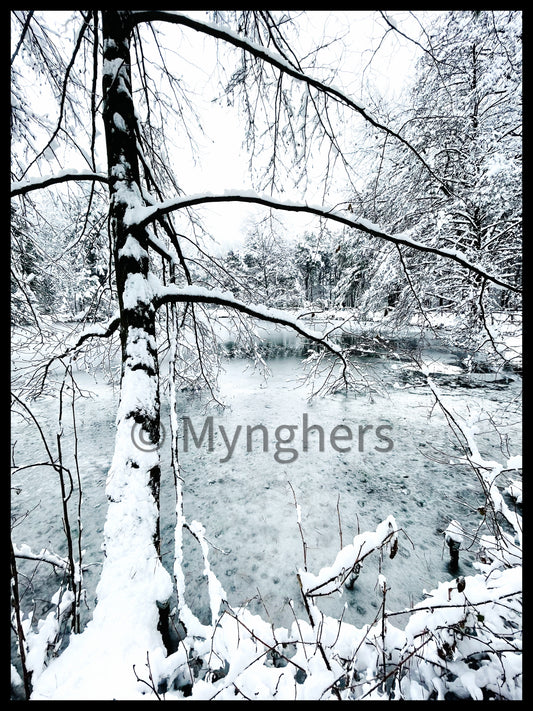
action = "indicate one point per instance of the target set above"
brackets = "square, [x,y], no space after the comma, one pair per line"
[462,641]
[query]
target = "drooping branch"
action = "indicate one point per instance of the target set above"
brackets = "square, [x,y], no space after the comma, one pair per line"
[143,216]
[201,295]
[64,92]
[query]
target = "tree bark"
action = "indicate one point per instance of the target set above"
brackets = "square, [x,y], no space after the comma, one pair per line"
[132,533]
[130,244]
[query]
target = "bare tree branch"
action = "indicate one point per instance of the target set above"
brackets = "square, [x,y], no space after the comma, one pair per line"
[85,25]
[280,63]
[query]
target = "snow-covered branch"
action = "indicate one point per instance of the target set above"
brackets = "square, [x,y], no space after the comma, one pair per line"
[143,215]
[44,556]
[98,331]
[332,577]
[22,187]
[502,547]
[278,61]
[201,295]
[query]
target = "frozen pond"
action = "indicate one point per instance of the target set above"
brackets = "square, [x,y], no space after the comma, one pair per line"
[246,498]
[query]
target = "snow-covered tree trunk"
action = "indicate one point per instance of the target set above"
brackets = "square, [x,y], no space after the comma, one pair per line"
[132,539]
[139,407]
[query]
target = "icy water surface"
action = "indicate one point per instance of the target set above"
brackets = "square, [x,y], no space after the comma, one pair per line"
[245,498]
